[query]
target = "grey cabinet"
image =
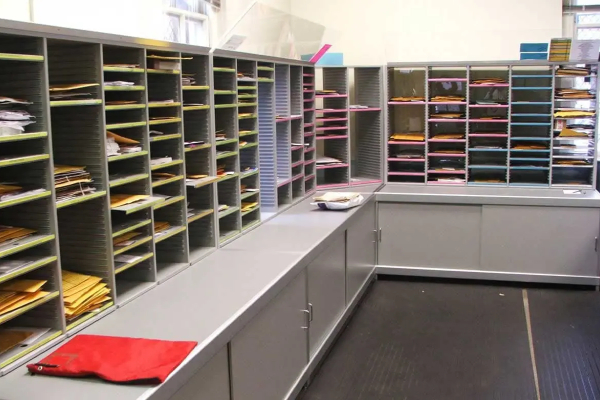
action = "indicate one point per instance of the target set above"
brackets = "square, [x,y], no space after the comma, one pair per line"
[269,354]
[361,247]
[326,291]
[546,240]
[210,383]
[429,235]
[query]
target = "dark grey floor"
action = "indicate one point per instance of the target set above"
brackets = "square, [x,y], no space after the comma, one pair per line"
[423,340]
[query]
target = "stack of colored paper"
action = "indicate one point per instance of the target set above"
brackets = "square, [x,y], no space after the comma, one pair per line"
[488,81]
[18,293]
[410,137]
[71,182]
[572,71]
[10,234]
[83,293]
[161,226]
[573,113]
[407,98]
[445,99]
[574,94]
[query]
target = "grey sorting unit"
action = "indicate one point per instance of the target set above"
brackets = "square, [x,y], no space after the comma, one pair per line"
[131,119]
[527,235]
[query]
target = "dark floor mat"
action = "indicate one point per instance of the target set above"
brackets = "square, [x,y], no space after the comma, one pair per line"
[430,341]
[566,335]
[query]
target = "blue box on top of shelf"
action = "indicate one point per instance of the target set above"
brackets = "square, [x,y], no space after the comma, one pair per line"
[328,59]
[534,47]
[534,56]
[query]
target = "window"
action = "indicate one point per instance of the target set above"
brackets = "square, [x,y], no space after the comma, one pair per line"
[186,21]
[587,26]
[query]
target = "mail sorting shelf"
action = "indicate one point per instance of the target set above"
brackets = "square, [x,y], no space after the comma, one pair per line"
[199,155]
[511,131]
[266,138]
[531,125]
[407,109]
[25,158]
[283,137]
[298,146]
[488,129]
[227,147]
[248,142]
[165,114]
[126,115]
[573,158]
[366,126]
[447,115]
[309,108]
[332,129]
[79,139]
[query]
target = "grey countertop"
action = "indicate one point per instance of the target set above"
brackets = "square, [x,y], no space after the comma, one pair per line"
[485,195]
[208,303]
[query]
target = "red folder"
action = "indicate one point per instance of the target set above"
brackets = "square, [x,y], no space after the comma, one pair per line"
[115,359]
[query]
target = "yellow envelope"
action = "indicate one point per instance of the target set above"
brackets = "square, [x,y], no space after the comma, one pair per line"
[121,139]
[22,285]
[117,200]
[77,299]
[125,237]
[89,282]
[25,299]
[61,88]
[10,339]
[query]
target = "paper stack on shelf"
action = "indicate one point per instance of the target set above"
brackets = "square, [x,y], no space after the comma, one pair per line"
[407,98]
[408,137]
[448,136]
[71,182]
[118,83]
[166,63]
[18,293]
[160,160]
[574,94]
[572,71]
[244,78]
[220,135]
[195,180]
[83,293]
[9,192]
[13,118]
[117,144]
[444,99]
[566,132]
[120,102]
[21,336]
[160,228]
[249,206]
[573,113]
[161,176]
[188,79]
[328,161]
[122,65]
[70,92]
[488,81]
[125,239]
[448,115]
[11,264]
[326,92]
[119,200]
[223,207]
[11,234]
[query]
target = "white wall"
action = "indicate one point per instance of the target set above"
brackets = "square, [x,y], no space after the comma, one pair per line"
[379,31]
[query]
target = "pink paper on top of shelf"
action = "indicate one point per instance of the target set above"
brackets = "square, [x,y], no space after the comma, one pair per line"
[407,142]
[331,128]
[406,159]
[365,109]
[447,155]
[448,140]
[331,119]
[332,110]
[332,185]
[447,79]
[443,171]
[488,120]
[407,173]
[488,134]
[332,166]
[405,103]
[320,53]
[488,105]
[332,137]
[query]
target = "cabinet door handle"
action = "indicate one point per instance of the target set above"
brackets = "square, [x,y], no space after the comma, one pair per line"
[307,319]
[596,244]
[310,312]
[380,235]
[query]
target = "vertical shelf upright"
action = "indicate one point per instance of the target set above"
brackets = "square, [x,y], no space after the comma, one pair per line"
[247,86]
[128,165]
[310,144]
[227,147]
[199,155]
[488,128]
[447,130]
[574,128]
[297,131]
[366,126]
[333,159]
[283,138]
[530,126]
[79,141]
[165,120]
[25,160]
[407,126]
[267,146]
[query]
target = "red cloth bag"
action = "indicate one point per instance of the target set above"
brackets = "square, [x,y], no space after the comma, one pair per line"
[115,359]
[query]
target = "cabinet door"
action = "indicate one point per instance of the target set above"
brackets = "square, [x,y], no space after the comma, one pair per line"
[270,353]
[326,291]
[429,235]
[360,248]
[210,383]
[544,240]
